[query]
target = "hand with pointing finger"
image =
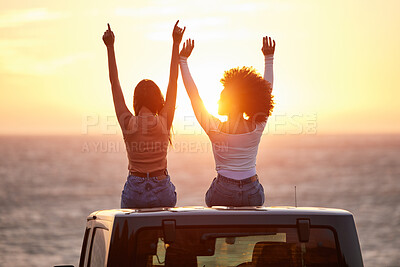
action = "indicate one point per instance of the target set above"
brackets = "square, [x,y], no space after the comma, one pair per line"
[108,37]
[177,33]
[268,47]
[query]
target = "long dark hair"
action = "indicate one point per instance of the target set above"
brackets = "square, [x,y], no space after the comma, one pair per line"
[148,94]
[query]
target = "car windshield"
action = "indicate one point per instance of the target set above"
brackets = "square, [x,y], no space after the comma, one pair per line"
[237,246]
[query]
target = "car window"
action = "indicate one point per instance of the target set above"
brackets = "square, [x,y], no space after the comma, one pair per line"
[85,248]
[99,251]
[244,246]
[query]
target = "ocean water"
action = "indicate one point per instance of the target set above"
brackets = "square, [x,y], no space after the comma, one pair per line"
[49,184]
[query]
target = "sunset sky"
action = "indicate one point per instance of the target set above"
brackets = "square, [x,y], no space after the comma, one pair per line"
[337,63]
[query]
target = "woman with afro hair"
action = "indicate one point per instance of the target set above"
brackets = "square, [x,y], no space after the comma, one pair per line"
[247,102]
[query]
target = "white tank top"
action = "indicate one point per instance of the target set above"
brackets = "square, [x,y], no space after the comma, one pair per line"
[235,154]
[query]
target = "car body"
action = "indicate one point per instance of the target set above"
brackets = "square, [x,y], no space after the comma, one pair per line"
[221,236]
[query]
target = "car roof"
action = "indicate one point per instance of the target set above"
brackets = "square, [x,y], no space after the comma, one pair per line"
[217,211]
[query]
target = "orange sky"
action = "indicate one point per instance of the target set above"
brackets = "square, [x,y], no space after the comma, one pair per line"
[337,63]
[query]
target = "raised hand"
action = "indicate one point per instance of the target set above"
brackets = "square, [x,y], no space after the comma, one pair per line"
[177,33]
[187,48]
[268,47]
[108,37]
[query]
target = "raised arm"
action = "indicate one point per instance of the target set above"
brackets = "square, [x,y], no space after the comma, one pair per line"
[169,108]
[206,120]
[122,112]
[268,50]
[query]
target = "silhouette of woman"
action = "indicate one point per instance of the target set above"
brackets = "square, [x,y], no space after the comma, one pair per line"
[235,141]
[147,133]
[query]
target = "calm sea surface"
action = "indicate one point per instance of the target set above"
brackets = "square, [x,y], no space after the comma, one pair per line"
[48,185]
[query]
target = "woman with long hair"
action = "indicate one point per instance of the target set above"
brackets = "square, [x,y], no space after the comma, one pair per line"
[247,102]
[147,133]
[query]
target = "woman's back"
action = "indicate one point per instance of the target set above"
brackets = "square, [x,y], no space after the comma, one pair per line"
[236,152]
[146,141]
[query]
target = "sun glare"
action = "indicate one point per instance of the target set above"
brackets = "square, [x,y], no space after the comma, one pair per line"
[210,98]
[207,79]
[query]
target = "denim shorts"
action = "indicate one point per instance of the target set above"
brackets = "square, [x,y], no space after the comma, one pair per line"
[225,193]
[148,192]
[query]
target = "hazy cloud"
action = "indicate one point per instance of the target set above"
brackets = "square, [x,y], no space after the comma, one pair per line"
[15,18]
[18,63]
[145,11]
